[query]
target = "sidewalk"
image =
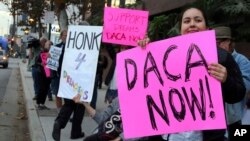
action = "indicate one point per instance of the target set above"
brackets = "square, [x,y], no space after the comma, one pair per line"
[41,121]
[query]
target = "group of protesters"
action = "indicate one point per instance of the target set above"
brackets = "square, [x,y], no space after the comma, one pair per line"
[232,71]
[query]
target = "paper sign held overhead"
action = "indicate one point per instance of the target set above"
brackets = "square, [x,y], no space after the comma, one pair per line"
[124,26]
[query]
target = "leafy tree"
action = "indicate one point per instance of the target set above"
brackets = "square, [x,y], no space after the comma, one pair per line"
[36,11]
[14,8]
[32,8]
[233,13]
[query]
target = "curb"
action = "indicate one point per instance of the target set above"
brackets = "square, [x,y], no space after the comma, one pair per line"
[35,127]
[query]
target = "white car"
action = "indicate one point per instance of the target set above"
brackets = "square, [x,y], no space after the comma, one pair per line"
[4,61]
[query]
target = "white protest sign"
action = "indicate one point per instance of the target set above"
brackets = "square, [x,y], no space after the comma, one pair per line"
[53,60]
[80,62]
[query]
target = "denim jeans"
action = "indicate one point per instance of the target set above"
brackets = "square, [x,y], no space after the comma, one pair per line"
[55,85]
[36,79]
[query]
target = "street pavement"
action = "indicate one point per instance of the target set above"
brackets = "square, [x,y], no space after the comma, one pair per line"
[41,121]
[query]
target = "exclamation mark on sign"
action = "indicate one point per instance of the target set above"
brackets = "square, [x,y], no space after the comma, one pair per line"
[212,113]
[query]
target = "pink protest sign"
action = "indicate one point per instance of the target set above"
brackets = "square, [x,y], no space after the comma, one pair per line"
[166,88]
[44,57]
[124,26]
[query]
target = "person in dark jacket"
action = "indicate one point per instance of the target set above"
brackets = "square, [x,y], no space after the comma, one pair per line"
[44,80]
[193,19]
[68,107]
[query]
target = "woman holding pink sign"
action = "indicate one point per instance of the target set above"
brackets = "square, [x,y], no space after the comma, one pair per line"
[226,71]
[44,78]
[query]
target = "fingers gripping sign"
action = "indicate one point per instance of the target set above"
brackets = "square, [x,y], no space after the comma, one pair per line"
[218,71]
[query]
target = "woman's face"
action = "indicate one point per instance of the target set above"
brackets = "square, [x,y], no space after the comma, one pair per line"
[48,44]
[192,21]
[64,36]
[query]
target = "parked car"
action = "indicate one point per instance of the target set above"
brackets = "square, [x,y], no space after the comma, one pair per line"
[4,61]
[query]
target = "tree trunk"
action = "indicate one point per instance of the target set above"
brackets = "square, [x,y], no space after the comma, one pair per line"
[109,2]
[61,15]
[122,3]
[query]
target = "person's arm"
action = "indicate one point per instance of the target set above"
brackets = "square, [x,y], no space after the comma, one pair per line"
[99,117]
[233,88]
[89,109]
[244,65]
[87,106]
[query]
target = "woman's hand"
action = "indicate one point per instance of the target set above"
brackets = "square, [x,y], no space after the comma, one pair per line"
[218,71]
[142,43]
[76,98]
[48,55]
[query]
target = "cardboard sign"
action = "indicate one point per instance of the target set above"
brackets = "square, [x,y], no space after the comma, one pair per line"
[80,62]
[166,87]
[124,26]
[53,60]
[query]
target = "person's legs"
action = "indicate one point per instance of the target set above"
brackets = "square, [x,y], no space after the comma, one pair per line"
[45,84]
[94,98]
[38,100]
[76,130]
[100,79]
[50,94]
[65,112]
[36,80]
[54,89]
[62,118]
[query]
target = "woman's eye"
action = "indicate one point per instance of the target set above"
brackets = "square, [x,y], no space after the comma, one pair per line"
[198,20]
